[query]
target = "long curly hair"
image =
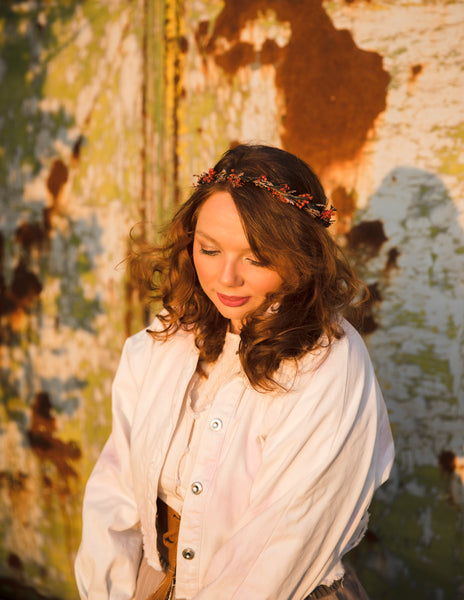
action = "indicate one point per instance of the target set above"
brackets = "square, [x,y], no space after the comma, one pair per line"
[318,284]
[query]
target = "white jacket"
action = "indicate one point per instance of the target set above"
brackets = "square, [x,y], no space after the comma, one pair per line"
[285,478]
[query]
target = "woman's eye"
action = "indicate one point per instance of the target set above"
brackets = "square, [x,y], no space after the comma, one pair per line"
[208,252]
[254,262]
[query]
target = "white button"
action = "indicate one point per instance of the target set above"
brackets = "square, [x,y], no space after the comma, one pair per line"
[188,553]
[216,424]
[196,488]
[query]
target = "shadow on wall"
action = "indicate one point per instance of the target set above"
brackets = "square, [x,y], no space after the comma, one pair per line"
[409,246]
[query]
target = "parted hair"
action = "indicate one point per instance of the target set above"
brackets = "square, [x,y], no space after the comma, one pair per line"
[318,284]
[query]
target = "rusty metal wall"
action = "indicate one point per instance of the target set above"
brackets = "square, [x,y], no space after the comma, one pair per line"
[106,111]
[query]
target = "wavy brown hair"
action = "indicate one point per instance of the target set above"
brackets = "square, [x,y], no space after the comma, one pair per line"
[318,283]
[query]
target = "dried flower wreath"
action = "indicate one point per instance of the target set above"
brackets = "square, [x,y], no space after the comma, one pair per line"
[317,210]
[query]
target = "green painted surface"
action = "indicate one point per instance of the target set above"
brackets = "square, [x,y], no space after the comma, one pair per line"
[452,155]
[418,539]
[429,363]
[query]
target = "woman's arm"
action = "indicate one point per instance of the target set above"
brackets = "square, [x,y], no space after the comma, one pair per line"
[109,555]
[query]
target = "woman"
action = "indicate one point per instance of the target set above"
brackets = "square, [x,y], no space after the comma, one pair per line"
[249,433]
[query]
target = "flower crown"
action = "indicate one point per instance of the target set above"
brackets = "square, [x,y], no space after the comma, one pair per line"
[283,193]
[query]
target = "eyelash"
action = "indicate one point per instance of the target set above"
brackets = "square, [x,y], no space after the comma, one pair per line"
[255,263]
[208,252]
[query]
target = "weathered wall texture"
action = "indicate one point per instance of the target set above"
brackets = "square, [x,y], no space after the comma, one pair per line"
[72,179]
[106,111]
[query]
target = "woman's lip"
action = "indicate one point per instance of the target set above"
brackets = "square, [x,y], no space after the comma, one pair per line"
[233,300]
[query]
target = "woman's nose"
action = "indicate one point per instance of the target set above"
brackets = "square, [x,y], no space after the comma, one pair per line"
[230,274]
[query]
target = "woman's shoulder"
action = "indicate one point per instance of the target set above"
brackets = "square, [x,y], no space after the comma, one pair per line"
[144,356]
[344,357]
[349,344]
[351,341]
[144,342]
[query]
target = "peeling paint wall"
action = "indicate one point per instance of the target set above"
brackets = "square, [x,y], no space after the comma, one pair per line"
[411,205]
[106,111]
[73,180]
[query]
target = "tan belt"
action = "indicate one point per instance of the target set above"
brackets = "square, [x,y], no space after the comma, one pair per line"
[167,525]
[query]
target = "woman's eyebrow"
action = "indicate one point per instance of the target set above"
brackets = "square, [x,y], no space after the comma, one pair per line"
[216,243]
[205,235]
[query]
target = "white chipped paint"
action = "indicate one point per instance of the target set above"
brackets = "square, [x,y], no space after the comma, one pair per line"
[421,110]
[130,80]
[266,27]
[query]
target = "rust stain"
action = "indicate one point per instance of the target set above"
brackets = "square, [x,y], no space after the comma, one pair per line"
[368,235]
[447,461]
[20,297]
[202,32]
[36,234]
[77,148]
[270,53]
[392,259]
[368,323]
[6,302]
[240,55]
[345,203]
[25,286]
[15,482]
[17,299]
[333,90]
[57,178]
[29,235]
[14,562]
[202,38]
[47,447]
[183,44]
[365,319]
[363,241]
[415,71]
[374,293]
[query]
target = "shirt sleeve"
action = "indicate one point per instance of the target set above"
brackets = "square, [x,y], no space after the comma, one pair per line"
[322,460]
[108,559]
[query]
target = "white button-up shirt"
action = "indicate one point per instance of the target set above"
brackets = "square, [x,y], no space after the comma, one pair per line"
[176,474]
[286,477]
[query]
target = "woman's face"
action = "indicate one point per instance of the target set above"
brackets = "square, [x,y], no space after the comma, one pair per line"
[230,275]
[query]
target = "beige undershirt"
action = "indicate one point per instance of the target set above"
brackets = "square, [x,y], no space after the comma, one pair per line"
[199,397]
